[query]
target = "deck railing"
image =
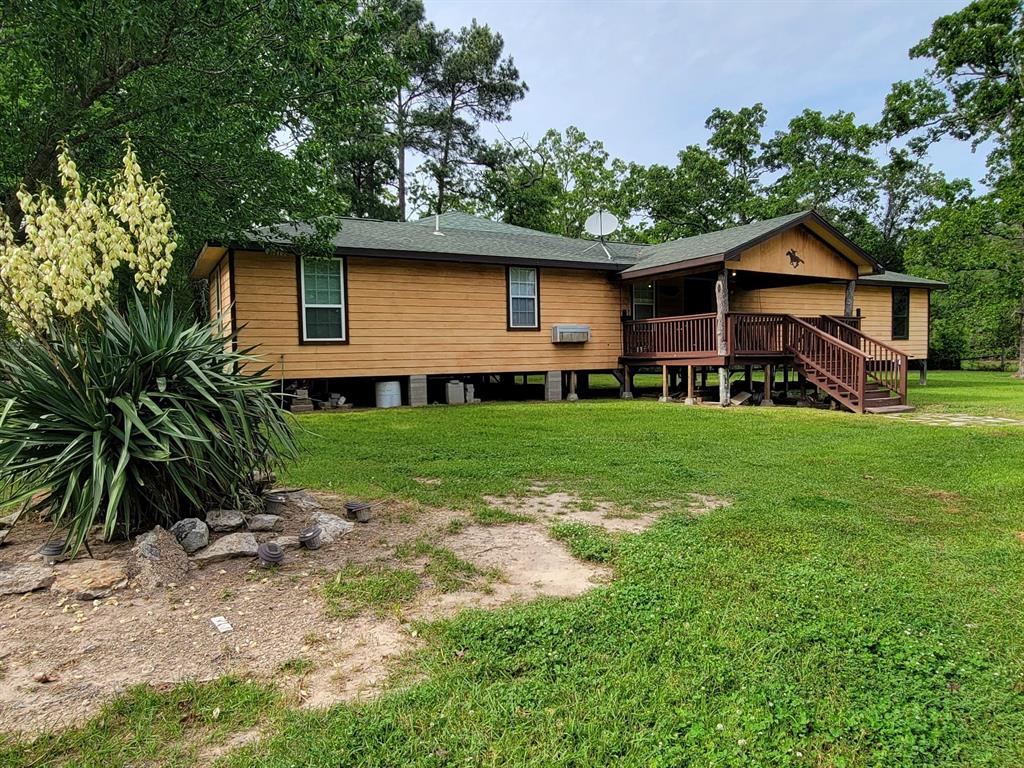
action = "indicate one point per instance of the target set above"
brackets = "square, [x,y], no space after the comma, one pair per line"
[841,364]
[845,328]
[886,365]
[670,337]
[756,333]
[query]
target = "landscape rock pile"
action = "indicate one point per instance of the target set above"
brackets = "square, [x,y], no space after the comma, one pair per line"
[163,557]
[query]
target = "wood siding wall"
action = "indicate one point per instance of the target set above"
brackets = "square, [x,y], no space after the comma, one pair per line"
[874,303]
[219,283]
[411,317]
[814,299]
[818,258]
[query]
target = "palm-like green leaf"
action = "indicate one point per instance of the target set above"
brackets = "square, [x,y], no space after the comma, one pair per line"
[143,418]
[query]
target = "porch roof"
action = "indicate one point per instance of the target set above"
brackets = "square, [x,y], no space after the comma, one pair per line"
[728,243]
[900,279]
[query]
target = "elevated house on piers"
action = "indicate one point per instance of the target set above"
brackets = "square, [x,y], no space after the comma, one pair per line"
[460,297]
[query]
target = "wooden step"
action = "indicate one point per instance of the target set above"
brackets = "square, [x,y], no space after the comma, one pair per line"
[880,402]
[890,410]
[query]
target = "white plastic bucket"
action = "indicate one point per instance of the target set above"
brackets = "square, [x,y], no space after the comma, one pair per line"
[389,394]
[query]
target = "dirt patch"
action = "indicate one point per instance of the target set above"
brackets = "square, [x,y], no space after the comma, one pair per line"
[95,649]
[559,506]
[950,500]
[532,564]
[92,650]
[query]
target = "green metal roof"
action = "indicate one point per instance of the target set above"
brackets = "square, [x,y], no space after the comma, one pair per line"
[463,237]
[898,278]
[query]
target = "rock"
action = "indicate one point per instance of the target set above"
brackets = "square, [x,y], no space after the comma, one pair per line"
[3,534]
[192,533]
[264,523]
[331,526]
[232,545]
[90,579]
[287,542]
[25,577]
[157,559]
[297,501]
[224,519]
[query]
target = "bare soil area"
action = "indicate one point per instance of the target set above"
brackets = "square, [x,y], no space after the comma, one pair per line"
[62,658]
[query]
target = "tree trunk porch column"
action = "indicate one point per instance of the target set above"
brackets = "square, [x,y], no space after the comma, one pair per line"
[722,333]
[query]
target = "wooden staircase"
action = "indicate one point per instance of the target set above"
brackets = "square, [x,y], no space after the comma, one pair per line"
[861,373]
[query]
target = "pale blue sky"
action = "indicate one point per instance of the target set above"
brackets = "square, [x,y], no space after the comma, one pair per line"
[642,76]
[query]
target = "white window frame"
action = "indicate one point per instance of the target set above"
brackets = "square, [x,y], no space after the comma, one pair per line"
[340,261]
[535,325]
[653,303]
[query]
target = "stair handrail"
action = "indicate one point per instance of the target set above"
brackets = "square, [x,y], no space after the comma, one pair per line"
[856,388]
[902,359]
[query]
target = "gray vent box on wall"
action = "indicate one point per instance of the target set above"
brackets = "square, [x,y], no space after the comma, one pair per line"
[570,334]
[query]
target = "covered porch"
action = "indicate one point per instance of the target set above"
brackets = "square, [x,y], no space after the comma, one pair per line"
[699,302]
[681,323]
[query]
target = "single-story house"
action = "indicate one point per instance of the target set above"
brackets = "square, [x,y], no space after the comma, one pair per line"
[465,297]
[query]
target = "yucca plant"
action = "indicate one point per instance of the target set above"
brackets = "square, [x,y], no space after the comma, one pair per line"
[137,418]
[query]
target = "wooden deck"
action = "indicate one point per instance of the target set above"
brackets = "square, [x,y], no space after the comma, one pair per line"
[860,372]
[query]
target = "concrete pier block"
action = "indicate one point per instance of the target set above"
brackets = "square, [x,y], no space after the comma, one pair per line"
[418,389]
[553,385]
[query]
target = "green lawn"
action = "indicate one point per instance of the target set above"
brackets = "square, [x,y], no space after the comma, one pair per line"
[988,393]
[858,604]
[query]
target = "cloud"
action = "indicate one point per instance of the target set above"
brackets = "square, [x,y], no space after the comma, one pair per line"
[643,76]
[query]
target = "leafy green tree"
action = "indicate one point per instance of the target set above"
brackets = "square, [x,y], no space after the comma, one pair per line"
[518,187]
[822,163]
[357,167]
[211,93]
[710,187]
[967,243]
[974,91]
[555,185]
[416,46]
[475,82]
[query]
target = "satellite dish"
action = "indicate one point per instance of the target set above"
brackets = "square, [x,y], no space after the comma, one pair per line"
[601,224]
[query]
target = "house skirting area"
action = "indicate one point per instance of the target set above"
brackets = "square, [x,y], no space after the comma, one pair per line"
[751,384]
[448,389]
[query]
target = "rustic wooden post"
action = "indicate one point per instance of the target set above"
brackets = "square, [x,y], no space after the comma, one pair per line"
[851,286]
[724,392]
[722,311]
[691,398]
[722,332]
[748,377]
[627,383]
[785,382]
[573,397]
[664,384]
[769,378]
[923,376]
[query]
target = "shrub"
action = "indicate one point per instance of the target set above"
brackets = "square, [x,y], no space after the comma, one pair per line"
[133,419]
